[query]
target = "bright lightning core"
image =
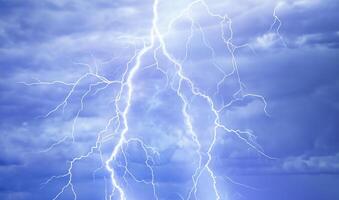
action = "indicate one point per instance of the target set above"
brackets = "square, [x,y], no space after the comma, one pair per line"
[168,108]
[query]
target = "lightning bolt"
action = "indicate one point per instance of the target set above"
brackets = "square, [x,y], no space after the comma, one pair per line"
[122,101]
[277,22]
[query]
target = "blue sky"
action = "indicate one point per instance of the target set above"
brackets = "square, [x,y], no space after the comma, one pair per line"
[297,74]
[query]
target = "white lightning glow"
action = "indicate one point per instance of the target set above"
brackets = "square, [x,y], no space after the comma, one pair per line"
[156,44]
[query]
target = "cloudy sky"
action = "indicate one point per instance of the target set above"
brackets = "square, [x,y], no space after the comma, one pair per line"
[59,61]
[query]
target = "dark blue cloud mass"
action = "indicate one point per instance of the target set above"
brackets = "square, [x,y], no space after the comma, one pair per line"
[291,152]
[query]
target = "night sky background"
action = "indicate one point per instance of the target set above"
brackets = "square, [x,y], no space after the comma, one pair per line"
[298,74]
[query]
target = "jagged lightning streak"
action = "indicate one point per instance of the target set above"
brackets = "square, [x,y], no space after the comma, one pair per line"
[123,100]
[129,85]
[155,34]
[277,22]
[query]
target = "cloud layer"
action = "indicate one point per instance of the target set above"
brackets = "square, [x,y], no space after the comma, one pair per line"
[296,71]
